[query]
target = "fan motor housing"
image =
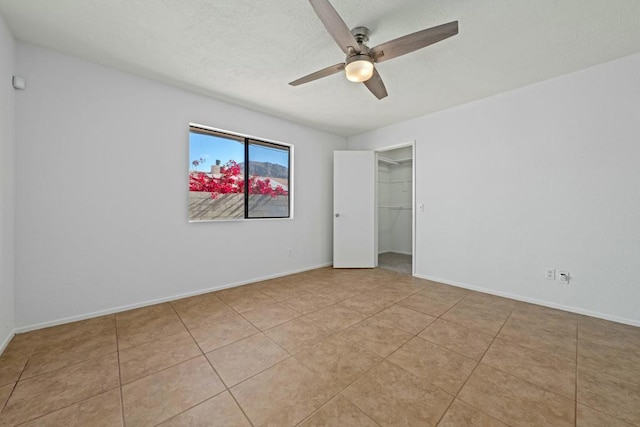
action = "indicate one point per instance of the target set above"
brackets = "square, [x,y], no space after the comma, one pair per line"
[359,57]
[361,34]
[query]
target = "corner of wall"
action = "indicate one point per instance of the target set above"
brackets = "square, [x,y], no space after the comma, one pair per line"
[113,255]
[507,196]
[6,341]
[7,185]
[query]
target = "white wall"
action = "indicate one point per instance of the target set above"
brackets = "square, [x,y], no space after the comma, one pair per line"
[543,176]
[7,138]
[101,194]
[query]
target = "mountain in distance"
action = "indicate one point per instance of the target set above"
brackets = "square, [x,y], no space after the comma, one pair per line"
[266,169]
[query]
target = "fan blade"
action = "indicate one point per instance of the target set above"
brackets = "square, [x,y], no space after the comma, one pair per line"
[376,86]
[335,25]
[413,41]
[319,74]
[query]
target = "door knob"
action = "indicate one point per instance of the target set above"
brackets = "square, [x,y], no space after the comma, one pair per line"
[337,215]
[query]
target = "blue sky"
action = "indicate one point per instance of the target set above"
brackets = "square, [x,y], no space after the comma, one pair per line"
[212,148]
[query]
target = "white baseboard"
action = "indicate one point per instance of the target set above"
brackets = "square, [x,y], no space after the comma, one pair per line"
[5,343]
[274,276]
[534,301]
[157,301]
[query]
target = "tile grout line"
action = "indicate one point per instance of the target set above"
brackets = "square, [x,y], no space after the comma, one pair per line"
[163,369]
[220,321]
[474,370]
[233,396]
[575,396]
[238,287]
[372,316]
[611,375]
[332,333]
[614,378]
[602,373]
[302,315]
[13,389]
[15,384]
[339,394]
[261,371]
[63,407]
[479,332]
[124,424]
[226,388]
[544,352]
[66,366]
[511,374]
[187,360]
[189,331]
[540,350]
[213,323]
[54,370]
[276,303]
[246,416]
[343,389]
[626,423]
[231,343]
[384,359]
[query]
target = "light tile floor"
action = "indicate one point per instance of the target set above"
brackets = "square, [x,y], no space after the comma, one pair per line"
[327,347]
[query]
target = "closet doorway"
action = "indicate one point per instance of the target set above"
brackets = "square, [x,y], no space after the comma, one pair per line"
[395,219]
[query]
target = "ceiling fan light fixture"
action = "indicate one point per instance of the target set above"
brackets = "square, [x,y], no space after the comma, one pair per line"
[359,68]
[359,64]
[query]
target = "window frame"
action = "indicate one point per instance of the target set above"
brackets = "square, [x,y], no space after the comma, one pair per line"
[246,140]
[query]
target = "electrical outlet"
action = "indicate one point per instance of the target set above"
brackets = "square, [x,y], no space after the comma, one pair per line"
[563,277]
[290,253]
[550,274]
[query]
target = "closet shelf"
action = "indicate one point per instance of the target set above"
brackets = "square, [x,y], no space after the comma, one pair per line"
[394,162]
[387,160]
[398,208]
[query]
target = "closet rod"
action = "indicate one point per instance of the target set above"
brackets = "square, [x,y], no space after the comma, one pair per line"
[386,160]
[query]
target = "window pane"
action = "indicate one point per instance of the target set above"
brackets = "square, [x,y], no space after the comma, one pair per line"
[268,180]
[216,178]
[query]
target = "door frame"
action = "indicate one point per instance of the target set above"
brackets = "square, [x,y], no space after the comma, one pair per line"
[411,144]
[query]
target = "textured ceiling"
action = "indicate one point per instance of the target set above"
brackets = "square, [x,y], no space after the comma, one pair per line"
[246,51]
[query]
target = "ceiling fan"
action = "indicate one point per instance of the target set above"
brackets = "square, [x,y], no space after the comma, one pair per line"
[358,65]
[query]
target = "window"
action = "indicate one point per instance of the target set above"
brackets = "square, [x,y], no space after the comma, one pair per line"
[236,177]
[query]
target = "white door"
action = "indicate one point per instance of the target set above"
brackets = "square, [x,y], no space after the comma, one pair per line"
[354,209]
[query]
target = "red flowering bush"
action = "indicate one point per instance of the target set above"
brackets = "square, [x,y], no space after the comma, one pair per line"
[230,181]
